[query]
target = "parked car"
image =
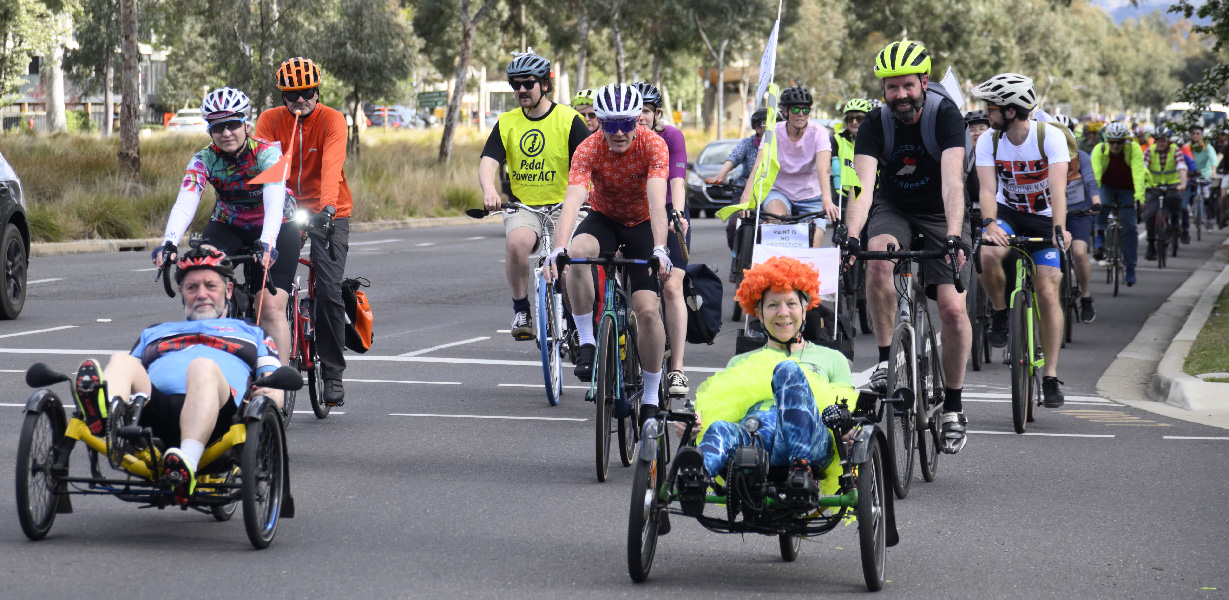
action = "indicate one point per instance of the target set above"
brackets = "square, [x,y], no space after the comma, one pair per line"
[707,165]
[384,116]
[188,120]
[14,243]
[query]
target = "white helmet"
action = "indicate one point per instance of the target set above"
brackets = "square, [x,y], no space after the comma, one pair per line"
[1117,131]
[225,103]
[1066,121]
[618,101]
[1008,88]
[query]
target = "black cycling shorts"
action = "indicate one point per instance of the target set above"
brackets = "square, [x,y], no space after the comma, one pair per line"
[232,240]
[161,414]
[636,243]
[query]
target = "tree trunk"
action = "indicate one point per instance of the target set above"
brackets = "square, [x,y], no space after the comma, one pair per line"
[657,71]
[617,34]
[108,96]
[458,90]
[562,91]
[582,55]
[53,84]
[352,147]
[129,116]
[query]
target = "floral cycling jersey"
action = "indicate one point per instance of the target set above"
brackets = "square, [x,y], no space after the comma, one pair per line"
[239,203]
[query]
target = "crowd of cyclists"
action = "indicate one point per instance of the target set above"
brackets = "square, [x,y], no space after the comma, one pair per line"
[892,169]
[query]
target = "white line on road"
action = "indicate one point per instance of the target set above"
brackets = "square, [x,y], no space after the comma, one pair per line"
[1069,401]
[37,331]
[527,385]
[1083,399]
[1074,435]
[1192,437]
[11,371]
[308,412]
[448,345]
[144,270]
[425,244]
[477,237]
[388,241]
[45,280]
[503,331]
[485,417]
[396,381]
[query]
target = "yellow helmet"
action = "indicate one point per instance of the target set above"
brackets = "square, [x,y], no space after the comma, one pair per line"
[1093,126]
[902,58]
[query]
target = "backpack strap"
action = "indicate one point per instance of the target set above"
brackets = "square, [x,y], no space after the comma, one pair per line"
[889,134]
[930,114]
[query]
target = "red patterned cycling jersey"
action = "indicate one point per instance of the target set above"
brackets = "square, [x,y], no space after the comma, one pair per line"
[618,180]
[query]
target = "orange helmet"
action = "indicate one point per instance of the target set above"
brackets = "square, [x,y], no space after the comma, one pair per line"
[781,274]
[298,74]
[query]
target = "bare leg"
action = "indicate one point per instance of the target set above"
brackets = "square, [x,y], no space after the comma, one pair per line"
[207,393]
[992,277]
[881,291]
[957,335]
[579,279]
[520,243]
[126,376]
[1083,266]
[651,343]
[1052,314]
[675,310]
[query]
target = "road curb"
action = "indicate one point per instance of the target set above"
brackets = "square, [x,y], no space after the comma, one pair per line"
[140,245]
[1148,374]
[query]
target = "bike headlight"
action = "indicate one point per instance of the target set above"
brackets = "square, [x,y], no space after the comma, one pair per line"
[301,216]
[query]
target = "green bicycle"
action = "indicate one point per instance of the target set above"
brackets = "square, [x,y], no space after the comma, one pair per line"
[1024,332]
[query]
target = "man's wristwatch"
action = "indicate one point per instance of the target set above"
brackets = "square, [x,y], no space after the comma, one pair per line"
[986,222]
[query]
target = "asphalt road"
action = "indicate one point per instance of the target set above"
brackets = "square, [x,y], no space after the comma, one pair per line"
[396,499]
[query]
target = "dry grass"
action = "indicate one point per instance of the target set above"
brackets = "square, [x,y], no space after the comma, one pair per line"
[74,189]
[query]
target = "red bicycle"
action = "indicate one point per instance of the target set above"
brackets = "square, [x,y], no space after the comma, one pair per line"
[305,352]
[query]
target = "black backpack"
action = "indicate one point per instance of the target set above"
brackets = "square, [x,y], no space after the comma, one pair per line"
[935,95]
[702,293]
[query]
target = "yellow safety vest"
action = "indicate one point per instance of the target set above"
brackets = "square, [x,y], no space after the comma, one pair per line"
[538,153]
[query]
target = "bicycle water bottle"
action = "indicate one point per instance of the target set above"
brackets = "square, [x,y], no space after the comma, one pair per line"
[622,333]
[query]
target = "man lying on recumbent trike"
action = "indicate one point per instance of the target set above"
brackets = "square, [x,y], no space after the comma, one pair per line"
[188,371]
[785,385]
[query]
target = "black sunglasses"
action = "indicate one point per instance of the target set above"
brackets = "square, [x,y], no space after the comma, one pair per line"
[522,84]
[295,96]
[217,128]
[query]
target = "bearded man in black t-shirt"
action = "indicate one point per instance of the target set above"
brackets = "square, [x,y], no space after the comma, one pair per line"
[920,191]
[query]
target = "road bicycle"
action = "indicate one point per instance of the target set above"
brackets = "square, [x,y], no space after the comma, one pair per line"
[1115,266]
[976,303]
[1167,228]
[1201,199]
[617,385]
[554,337]
[1023,352]
[915,367]
[1069,291]
[751,492]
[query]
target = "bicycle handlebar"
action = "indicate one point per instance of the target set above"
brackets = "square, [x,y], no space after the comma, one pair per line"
[892,254]
[794,219]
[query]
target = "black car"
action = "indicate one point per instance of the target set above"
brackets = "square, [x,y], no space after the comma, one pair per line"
[15,243]
[699,197]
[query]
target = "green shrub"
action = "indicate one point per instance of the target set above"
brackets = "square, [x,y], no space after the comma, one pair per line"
[46,223]
[104,216]
[79,121]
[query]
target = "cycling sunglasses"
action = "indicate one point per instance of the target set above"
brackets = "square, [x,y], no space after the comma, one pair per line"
[616,126]
[854,118]
[217,128]
[299,94]
[522,84]
[805,110]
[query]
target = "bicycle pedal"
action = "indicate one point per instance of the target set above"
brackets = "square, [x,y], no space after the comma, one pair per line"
[523,337]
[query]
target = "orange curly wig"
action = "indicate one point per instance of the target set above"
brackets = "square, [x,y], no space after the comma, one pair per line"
[781,274]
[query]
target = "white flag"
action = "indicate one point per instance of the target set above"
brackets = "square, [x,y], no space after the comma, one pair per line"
[952,85]
[768,63]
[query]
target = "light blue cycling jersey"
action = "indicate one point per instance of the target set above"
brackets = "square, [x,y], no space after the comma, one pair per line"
[241,350]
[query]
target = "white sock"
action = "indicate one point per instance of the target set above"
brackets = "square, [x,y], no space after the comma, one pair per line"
[192,451]
[584,328]
[651,381]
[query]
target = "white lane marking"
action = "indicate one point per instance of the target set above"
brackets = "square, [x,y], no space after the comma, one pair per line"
[37,331]
[1083,402]
[448,345]
[477,237]
[1192,437]
[11,371]
[420,359]
[1079,399]
[388,241]
[1073,435]
[11,404]
[45,280]
[485,417]
[503,331]
[308,412]
[425,244]
[527,385]
[396,381]
[144,270]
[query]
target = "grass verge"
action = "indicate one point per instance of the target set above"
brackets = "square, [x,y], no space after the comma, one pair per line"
[1210,352]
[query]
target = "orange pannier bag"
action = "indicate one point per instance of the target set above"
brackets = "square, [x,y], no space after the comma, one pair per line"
[359,333]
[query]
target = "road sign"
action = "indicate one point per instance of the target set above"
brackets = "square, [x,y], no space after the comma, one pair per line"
[430,99]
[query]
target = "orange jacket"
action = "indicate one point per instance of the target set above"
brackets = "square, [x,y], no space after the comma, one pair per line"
[317,178]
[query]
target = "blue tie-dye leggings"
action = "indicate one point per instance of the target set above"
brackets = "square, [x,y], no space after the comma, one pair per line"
[789,429]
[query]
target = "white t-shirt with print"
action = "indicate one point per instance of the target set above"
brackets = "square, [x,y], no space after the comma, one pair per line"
[1023,175]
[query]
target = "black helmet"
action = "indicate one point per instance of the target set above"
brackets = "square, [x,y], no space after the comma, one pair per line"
[759,117]
[204,258]
[649,93]
[796,96]
[976,116]
[528,63]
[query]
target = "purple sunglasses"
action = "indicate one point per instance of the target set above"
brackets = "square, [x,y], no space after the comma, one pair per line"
[616,126]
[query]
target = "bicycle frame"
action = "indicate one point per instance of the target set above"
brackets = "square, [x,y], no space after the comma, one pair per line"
[1026,271]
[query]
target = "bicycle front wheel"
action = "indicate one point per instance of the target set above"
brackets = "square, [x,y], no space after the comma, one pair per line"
[1021,344]
[606,373]
[930,370]
[550,340]
[973,301]
[633,392]
[902,418]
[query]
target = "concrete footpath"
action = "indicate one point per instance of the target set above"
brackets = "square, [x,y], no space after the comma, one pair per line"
[147,244]
[1148,374]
